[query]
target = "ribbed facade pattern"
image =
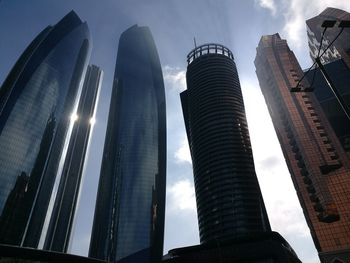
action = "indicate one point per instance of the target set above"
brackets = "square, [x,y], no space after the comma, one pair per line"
[229,201]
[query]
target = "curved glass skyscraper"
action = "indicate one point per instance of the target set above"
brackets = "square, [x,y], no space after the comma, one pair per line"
[229,201]
[37,100]
[66,201]
[129,216]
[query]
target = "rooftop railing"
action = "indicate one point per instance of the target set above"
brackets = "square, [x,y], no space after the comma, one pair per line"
[208,49]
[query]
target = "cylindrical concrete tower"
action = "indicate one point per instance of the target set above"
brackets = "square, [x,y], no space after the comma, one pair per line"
[229,200]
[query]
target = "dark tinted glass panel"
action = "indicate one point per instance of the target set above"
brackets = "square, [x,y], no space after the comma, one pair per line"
[34,122]
[67,195]
[340,75]
[129,217]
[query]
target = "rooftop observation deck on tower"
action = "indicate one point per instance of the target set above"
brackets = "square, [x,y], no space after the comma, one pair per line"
[208,49]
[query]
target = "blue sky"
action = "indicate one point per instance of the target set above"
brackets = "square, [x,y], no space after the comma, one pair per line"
[174,23]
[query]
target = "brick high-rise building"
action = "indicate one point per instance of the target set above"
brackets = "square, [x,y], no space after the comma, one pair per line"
[319,167]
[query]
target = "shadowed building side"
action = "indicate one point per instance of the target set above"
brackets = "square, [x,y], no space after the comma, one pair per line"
[129,215]
[36,102]
[318,165]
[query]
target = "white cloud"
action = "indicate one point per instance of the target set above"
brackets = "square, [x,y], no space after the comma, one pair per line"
[268,4]
[181,196]
[183,154]
[181,225]
[280,198]
[175,78]
[297,11]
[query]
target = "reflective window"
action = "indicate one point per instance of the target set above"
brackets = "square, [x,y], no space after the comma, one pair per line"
[33,127]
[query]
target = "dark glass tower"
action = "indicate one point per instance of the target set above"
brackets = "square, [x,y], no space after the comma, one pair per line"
[63,213]
[36,102]
[341,47]
[233,224]
[340,75]
[229,202]
[337,64]
[129,216]
[318,165]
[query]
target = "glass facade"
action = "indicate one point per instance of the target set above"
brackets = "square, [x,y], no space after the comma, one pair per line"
[341,47]
[36,102]
[63,213]
[338,71]
[340,75]
[318,165]
[229,201]
[129,216]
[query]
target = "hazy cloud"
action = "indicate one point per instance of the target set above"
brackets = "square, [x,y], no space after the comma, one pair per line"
[181,196]
[297,11]
[270,162]
[175,77]
[268,4]
[183,154]
[181,225]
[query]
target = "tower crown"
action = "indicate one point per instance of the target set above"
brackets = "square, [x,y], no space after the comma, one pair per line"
[210,48]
